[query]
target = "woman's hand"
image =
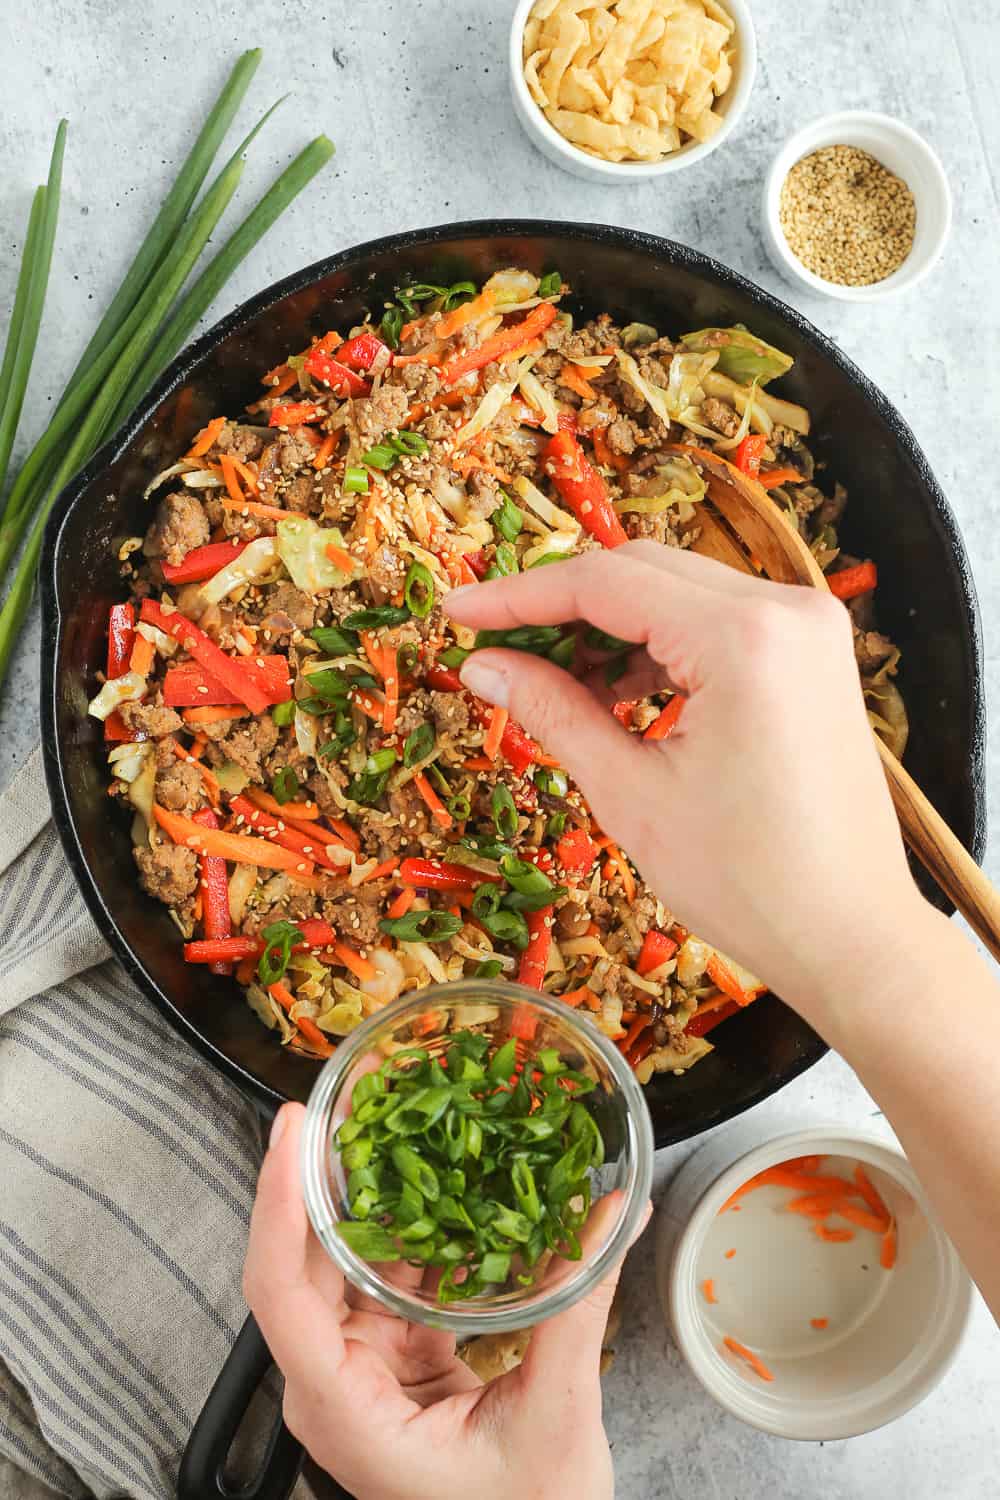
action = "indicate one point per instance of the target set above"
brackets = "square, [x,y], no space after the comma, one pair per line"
[387,1407]
[764,822]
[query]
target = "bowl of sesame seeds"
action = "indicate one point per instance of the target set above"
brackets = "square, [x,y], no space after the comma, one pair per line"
[856,206]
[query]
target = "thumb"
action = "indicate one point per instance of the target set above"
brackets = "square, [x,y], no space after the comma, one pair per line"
[568,722]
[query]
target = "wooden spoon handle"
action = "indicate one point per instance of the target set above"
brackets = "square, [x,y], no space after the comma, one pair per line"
[943,854]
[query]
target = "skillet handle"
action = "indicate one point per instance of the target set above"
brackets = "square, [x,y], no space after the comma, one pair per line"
[202,1471]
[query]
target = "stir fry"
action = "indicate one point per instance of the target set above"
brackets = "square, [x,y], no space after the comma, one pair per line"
[330,817]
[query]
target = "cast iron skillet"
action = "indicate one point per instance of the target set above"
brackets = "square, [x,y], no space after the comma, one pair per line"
[897,514]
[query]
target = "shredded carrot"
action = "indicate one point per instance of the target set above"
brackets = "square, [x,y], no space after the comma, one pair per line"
[420,409]
[402,903]
[282,382]
[362,968]
[781,1177]
[249,475]
[237,848]
[326,450]
[214,715]
[871,1195]
[715,1002]
[451,322]
[282,994]
[467,463]
[341,558]
[756,1364]
[730,1254]
[708,1290]
[425,1024]
[308,1028]
[583,996]
[232,481]
[634,1033]
[345,832]
[833,1236]
[814,1206]
[477,763]
[435,806]
[388,867]
[618,861]
[576,380]
[861,1216]
[254,508]
[373,707]
[819,1323]
[205,438]
[373,650]
[890,1245]
[143,653]
[390,666]
[494,734]
[281,809]
[808,1164]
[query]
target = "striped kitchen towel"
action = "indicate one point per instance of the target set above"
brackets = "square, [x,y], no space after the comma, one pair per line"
[127,1172]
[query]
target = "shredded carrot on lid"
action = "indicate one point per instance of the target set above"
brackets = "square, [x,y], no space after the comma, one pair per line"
[833,1236]
[819,1322]
[753,1360]
[708,1290]
[890,1246]
[730,1254]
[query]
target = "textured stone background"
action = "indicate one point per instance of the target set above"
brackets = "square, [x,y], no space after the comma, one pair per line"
[416,99]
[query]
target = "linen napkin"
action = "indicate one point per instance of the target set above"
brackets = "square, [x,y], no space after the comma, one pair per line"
[127,1174]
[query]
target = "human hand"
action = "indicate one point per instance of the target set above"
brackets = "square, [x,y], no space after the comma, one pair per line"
[387,1407]
[764,822]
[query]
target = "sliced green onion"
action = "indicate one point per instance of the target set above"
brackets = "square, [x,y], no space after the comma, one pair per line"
[488,969]
[504,562]
[283,714]
[285,785]
[454,656]
[556,826]
[407,657]
[600,640]
[550,284]
[458,293]
[526,878]
[418,590]
[552,780]
[379,615]
[538,639]
[508,520]
[381,760]
[408,443]
[381,456]
[392,326]
[504,813]
[279,939]
[355,480]
[418,745]
[549,557]
[422,926]
[334,641]
[459,806]
[563,653]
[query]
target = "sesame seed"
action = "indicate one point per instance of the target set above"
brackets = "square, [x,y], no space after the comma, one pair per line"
[202,688]
[847,218]
[300,867]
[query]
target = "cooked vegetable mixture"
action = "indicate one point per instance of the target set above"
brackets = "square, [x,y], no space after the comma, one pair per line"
[476,1162]
[327,813]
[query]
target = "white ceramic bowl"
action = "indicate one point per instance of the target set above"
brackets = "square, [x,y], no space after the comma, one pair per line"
[899,149]
[891,1334]
[548,140]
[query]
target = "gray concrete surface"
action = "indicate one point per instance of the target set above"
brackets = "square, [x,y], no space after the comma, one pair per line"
[416,99]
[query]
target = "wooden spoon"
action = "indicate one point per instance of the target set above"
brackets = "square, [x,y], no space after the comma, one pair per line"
[753,526]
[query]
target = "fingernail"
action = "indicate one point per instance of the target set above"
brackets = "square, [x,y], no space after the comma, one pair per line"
[277,1129]
[486,682]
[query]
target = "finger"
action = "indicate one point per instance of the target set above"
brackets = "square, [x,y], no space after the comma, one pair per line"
[565,1352]
[399,1274]
[600,587]
[568,722]
[277,1282]
[642,677]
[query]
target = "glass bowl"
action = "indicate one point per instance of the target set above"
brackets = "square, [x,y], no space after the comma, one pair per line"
[617,1104]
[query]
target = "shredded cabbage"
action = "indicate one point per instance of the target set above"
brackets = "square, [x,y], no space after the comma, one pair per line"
[202,479]
[729,445]
[491,406]
[306,732]
[165,644]
[634,334]
[556,541]
[241,885]
[126,689]
[301,545]
[768,409]
[126,761]
[249,566]
[742,356]
[542,399]
[684,393]
[510,286]
[232,778]
[184,467]
[142,791]
[561,520]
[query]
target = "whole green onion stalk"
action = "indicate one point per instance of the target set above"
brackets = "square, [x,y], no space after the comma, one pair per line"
[148,321]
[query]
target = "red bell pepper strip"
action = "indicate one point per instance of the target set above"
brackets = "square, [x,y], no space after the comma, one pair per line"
[215,918]
[583,488]
[444,680]
[202,562]
[274,828]
[656,949]
[361,353]
[243,681]
[500,345]
[295,414]
[121,639]
[531,970]
[335,373]
[317,934]
[190,686]
[438,875]
[749,453]
[577,852]
[478,562]
[663,726]
[701,1025]
[850,582]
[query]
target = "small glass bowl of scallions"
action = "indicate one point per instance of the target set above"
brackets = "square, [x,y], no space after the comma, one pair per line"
[457,1146]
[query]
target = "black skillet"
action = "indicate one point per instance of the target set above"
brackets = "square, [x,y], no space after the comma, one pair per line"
[897,514]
